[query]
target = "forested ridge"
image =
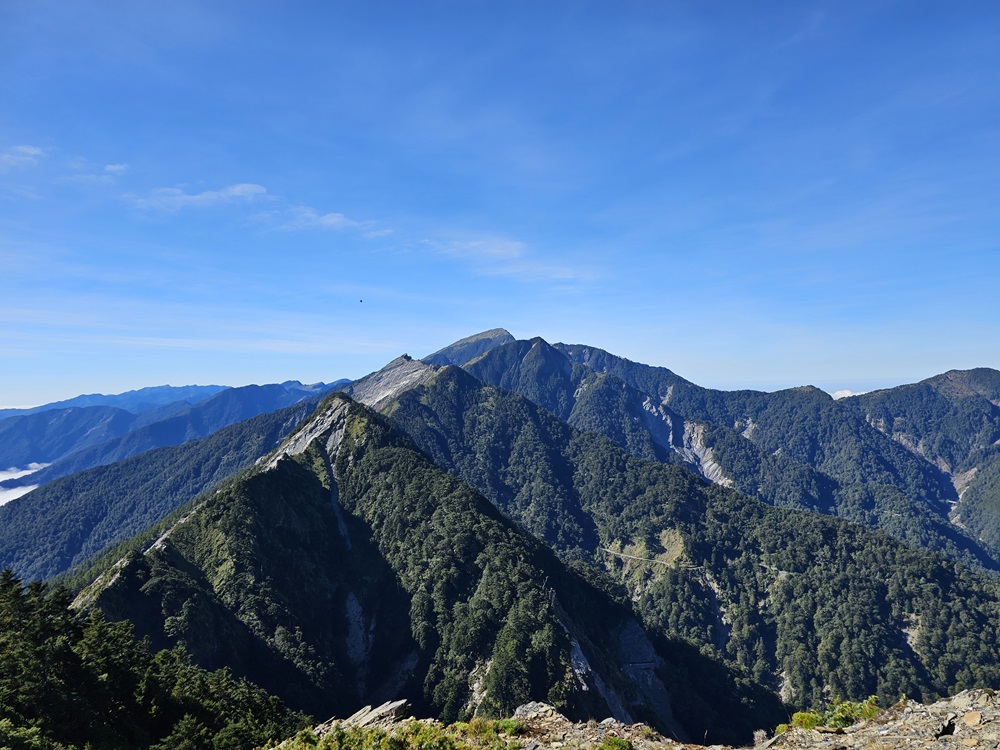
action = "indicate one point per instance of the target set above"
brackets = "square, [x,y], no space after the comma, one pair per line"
[410,583]
[952,421]
[796,448]
[813,606]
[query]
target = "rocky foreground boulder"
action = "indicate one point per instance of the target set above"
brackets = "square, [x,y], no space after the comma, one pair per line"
[969,719]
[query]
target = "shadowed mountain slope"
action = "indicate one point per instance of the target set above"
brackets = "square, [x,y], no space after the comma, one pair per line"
[953,422]
[49,435]
[348,568]
[805,602]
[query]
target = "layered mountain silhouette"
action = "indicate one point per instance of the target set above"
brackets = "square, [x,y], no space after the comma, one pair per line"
[728,572]
[71,519]
[510,520]
[135,402]
[81,437]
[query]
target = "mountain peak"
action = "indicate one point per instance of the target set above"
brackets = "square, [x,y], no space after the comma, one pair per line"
[380,387]
[467,349]
[980,381]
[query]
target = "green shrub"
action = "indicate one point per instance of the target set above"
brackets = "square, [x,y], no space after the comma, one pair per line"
[840,714]
[478,734]
[514,727]
[851,712]
[615,743]
[806,719]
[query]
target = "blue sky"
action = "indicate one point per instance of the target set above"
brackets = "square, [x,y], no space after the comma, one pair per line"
[752,194]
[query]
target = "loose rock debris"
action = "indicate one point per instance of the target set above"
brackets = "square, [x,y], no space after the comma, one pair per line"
[970,719]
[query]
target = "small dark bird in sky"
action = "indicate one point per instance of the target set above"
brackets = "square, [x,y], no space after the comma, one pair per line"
[360,300]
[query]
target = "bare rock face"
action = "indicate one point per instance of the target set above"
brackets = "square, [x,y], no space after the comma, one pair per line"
[380,388]
[700,456]
[389,713]
[327,426]
[547,728]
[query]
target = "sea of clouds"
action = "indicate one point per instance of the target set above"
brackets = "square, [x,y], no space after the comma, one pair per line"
[6,495]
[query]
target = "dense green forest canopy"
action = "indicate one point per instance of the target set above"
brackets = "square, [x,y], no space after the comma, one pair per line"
[812,605]
[795,448]
[66,682]
[330,576]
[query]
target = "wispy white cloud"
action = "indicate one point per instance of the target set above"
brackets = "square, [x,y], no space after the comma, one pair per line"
[85,172]
[494,255]
[482,249]
[304,217]
[21,156]
[297,218]
[175,199]
[14,473]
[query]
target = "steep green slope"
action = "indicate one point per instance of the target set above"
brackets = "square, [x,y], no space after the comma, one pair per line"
[979,508]
[66,521]
[583,398]
[350,569]
[941,419]
[796,448]
[535,370]
[602,402]
[813,605]
[67,683]
[953,421]
[805,424]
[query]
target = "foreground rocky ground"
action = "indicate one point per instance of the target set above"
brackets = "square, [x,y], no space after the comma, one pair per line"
[969,719]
